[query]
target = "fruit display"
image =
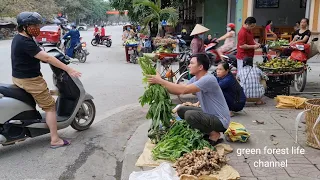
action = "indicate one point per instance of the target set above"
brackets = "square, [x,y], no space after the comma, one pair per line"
[158,41]
[162,49]
[278,65]
[278,43]
[131,41]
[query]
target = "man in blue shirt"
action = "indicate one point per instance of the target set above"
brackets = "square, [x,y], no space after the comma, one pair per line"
[74,39]
[213,117]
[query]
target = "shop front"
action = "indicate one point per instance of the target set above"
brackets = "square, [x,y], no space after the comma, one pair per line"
[211,14]
[283,13]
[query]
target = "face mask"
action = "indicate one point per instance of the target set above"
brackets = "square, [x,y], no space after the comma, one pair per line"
[201,36]
[228,29]
[33,31]
[128,29]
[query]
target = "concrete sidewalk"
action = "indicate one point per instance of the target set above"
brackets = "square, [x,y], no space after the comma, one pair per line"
[277,132]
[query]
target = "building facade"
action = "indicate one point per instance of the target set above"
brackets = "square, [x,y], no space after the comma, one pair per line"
[215,14]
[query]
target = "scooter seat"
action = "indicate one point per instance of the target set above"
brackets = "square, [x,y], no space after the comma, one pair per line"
[13,91]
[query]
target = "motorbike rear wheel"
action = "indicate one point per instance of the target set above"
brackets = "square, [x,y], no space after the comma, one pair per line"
[94,42]
[87,112]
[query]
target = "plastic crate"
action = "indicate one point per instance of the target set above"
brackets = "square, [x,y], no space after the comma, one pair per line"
[279,80]
[280,89]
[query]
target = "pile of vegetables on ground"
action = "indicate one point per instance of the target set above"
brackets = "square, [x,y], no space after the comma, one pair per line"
[200,162]
[158,98]
[281,65]
[278,43]
[175,140]
[180,139]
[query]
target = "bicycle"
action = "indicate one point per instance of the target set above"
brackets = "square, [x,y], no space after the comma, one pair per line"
[166,62]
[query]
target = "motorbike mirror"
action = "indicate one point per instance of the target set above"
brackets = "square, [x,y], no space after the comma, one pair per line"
[315,39]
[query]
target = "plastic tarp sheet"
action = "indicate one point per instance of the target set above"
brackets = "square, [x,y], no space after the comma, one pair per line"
[290,102]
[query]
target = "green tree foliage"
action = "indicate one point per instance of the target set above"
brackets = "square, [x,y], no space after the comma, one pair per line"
[156,14]
[84,10]
[11,8]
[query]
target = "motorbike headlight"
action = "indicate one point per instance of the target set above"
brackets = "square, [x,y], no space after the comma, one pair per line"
[300,47]
[84,44]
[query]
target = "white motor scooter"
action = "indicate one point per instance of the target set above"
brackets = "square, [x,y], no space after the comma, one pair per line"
[19,118]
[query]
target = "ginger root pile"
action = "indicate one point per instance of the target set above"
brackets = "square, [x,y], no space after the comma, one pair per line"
[200,162]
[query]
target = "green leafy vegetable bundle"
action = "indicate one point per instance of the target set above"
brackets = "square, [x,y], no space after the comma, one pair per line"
[180,139]
[158,98]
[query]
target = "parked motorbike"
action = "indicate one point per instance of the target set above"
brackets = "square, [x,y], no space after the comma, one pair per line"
[80,50]
[182,43]
[105,40]
[20,119]
[211,50]
[302,53]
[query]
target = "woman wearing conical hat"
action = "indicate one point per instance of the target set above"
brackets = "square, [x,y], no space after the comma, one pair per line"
[197,44]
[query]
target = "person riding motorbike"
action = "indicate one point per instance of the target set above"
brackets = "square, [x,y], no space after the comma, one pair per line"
[74,39]
[102,32]
[230,39]
[25,60]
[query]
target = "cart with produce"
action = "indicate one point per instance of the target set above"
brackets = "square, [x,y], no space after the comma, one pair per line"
[133,49]
[280,74]
[166,55]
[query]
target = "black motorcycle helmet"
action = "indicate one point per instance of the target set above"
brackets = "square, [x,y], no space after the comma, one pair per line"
[29,18]
[25,19]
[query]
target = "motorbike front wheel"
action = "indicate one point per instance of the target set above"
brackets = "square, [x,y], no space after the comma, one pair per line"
[300,81]
[85,116]
[108,43]
[94,42]
[81,56]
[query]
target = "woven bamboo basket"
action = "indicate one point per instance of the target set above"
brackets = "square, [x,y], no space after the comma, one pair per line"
[313,105]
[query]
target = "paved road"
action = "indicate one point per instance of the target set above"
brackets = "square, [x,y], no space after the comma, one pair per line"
[96,153]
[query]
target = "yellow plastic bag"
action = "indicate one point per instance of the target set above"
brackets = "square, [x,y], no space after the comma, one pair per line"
[292,102]
[237,132]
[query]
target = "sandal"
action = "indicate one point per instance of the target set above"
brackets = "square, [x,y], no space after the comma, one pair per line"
[65,143]
[213,143]
[260,103]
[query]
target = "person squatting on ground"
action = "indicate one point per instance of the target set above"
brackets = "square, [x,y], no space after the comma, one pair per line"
[25,59]
[231,89]
[213,117]
[250,78]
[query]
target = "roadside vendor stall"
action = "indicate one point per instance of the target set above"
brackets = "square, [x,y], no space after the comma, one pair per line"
[165,54]
[133,48]
[280,74]
[173,145]
[298,52]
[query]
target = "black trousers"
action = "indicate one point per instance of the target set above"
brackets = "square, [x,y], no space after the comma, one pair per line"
[197,119]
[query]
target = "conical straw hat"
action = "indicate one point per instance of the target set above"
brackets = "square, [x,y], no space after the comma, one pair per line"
[199,30]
